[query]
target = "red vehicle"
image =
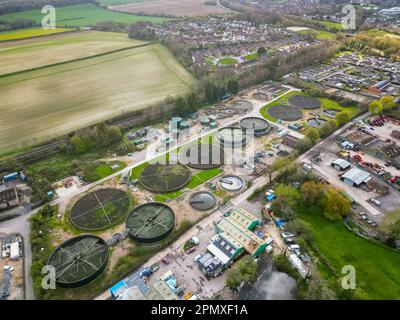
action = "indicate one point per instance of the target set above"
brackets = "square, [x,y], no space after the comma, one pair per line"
[166,259]
[193,249]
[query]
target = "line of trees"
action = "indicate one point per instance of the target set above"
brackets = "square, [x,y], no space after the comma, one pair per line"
[9,6]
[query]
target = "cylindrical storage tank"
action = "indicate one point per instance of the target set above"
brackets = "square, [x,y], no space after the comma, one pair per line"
[150,222]
[260,126]
[232,137]
[79,260]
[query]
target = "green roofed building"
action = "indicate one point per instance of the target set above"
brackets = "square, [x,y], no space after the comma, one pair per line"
[245,218]
[237,227]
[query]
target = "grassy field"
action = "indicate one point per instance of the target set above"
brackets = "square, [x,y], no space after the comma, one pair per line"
[29,33]
[227,61]
[33,53]
[331,25]
[251,56]
[42,104]
[319,34]
[82,15]
[105,170]
[377,267]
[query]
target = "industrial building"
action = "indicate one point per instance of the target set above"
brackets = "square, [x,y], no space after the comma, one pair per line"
[238,226]
[210,265]
[136,288]
[341,164]
[356,177]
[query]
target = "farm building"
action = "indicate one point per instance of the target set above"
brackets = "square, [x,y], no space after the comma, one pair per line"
[356,177]
[341,164]
[237,227]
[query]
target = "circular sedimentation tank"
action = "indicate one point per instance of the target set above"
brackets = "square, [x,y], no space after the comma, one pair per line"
[202,156]
[316,123]
[231,183]
[164,177]
[260,126]
[100,209]
[285,112]
[231,137]
[150,222]
[79,260]
[304,102]
[202,201]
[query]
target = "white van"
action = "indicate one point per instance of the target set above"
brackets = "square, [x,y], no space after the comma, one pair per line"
[194,240]
[294,247]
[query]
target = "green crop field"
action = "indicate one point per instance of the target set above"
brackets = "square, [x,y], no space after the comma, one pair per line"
[42,104]
[29,33]
[82,15]
[38,52]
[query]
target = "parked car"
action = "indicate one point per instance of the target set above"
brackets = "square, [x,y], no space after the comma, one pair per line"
[376,202]
[288,240]
[294,247]
[287,235]
[197,258]
[193,249]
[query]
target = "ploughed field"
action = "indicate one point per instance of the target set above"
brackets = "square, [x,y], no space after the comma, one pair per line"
[45,103]
[37,52]
[175,8]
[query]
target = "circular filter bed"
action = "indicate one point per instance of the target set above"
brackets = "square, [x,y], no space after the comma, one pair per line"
[260,126]
[286,113]
[202,156]
[100,209]
[316,123]
[79,260]
[232,137]
[304,102]
[165,177]
[231,183]
[150,222]
[202,201]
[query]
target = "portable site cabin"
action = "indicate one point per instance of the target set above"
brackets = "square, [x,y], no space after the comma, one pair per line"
[14,250]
